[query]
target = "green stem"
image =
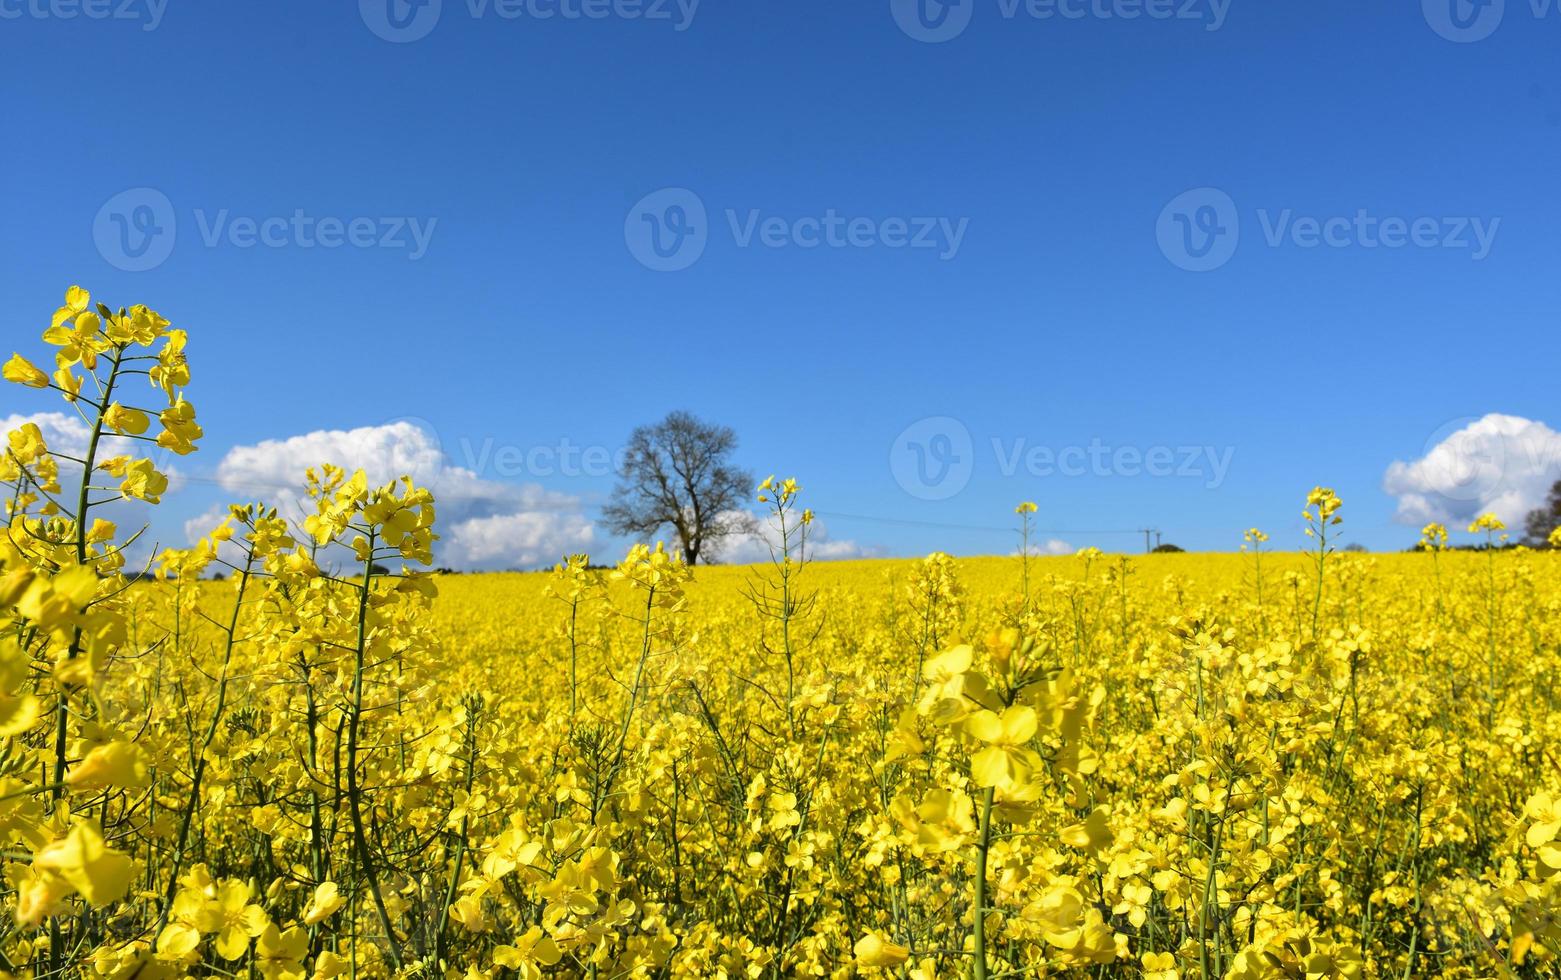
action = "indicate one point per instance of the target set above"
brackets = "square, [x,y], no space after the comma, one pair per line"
[982,847]
[360,839]
[62,709]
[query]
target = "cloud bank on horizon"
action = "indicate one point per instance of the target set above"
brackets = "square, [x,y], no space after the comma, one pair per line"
[484,524]
[1503,464]
[1500,464]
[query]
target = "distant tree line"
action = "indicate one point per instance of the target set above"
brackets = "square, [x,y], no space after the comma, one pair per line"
[1543,520]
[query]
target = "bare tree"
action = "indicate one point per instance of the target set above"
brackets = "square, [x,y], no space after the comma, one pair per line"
[1542,520]
[677,473]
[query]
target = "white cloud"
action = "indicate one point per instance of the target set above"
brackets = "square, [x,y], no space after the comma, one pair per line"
[383,451]
[483,523]
[765,539]
[1053,546]
[201,525]
[519,540]
[1501,464]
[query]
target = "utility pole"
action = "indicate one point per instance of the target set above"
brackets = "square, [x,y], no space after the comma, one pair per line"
[1157,537]
[1146,532]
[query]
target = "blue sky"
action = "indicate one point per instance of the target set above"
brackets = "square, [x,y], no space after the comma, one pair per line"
[507,170]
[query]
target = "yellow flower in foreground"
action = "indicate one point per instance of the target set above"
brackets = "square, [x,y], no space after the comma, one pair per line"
[327,901]
[27,443]
[328,965]
[177,942]
[82,341]
[281,954]
[112,764]
[125,420]
[233,919]
[531,951]
[179,428]
[1160,966]
[77,300]
[1545,810]
[1093,835]
[142,481]
[38,895]
[1005,762]
[22,371]
[1059,912]
[943,821]
[82,859]
[69,382]
[172,369]
[874,950]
